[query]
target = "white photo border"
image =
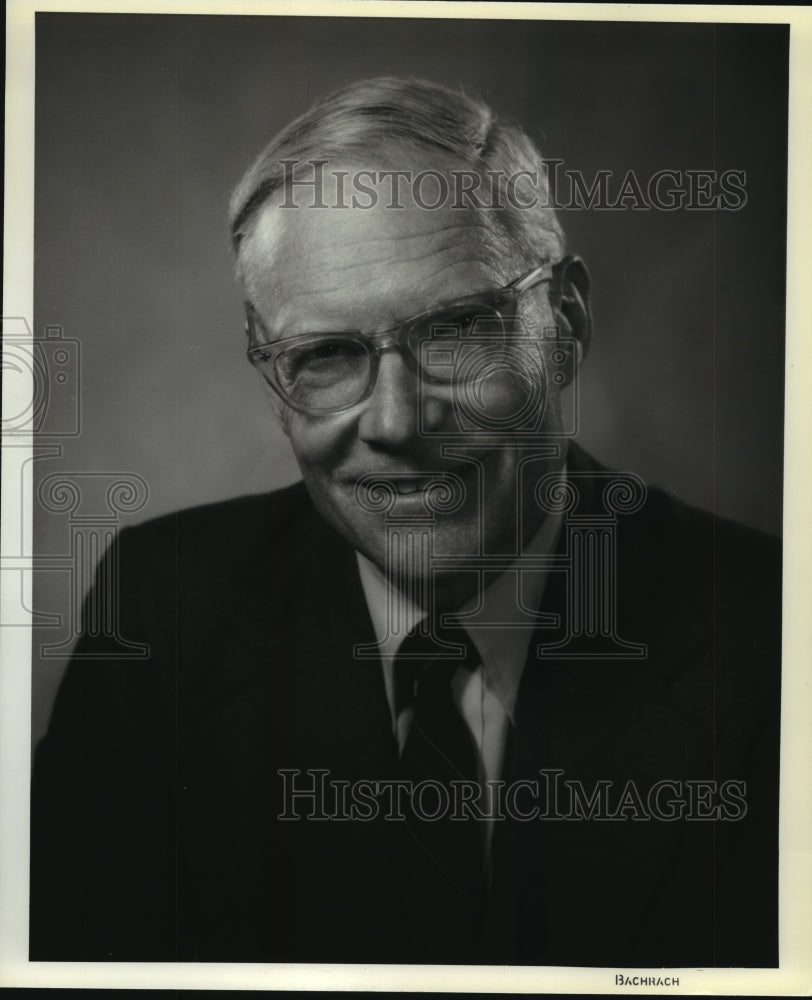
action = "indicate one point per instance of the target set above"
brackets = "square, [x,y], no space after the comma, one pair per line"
[794,976]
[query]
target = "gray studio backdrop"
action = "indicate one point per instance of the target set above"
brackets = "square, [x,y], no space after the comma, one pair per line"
[144,124]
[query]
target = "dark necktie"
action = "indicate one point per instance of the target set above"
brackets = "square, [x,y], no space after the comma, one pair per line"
[439,751]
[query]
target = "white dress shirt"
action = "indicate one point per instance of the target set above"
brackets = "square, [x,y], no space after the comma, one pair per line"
[486,696]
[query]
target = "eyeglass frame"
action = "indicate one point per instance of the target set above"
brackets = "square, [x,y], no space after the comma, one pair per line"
[393,337]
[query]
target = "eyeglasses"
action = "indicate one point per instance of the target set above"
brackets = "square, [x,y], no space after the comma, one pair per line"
[324,373]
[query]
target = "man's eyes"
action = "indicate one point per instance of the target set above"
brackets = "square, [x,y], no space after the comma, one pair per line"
[322,356]
[332,351]
[338,353]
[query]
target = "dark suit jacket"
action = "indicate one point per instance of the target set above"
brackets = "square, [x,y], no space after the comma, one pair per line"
[156,791]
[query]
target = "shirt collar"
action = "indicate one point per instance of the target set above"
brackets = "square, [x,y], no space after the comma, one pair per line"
[502,647]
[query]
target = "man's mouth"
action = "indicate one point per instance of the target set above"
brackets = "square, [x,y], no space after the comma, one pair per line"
[444,488]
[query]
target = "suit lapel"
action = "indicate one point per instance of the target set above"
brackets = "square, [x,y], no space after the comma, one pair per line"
[341,703]
[602,697]
[593,720]
[289,672]
[280,692]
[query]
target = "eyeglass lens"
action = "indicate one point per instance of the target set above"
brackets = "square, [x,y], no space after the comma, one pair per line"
[334,371]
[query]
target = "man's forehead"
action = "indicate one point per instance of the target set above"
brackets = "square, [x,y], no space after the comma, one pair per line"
[324,255]
[364,201]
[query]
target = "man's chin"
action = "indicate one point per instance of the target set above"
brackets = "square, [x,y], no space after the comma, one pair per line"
[422,562]
[440,590]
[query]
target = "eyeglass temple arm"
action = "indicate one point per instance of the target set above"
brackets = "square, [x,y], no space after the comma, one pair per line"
[544,272]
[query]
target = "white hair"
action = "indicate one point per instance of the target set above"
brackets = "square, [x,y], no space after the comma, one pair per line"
[373,115]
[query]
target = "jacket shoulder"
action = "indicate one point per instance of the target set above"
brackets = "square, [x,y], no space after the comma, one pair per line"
[741,560]
[225,531]
[683,541]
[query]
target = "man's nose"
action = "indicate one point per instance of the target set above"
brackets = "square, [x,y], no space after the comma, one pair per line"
[397,412]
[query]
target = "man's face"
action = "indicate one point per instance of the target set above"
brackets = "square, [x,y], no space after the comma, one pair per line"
[344,269]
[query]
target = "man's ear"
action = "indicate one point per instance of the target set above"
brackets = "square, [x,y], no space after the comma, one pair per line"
[574,312]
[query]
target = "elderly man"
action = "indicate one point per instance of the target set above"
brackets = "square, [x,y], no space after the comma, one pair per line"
[463,695]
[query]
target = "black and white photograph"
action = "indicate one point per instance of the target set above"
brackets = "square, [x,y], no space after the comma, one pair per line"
[397,569]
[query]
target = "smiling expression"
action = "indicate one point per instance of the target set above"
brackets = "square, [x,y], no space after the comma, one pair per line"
[309,270]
